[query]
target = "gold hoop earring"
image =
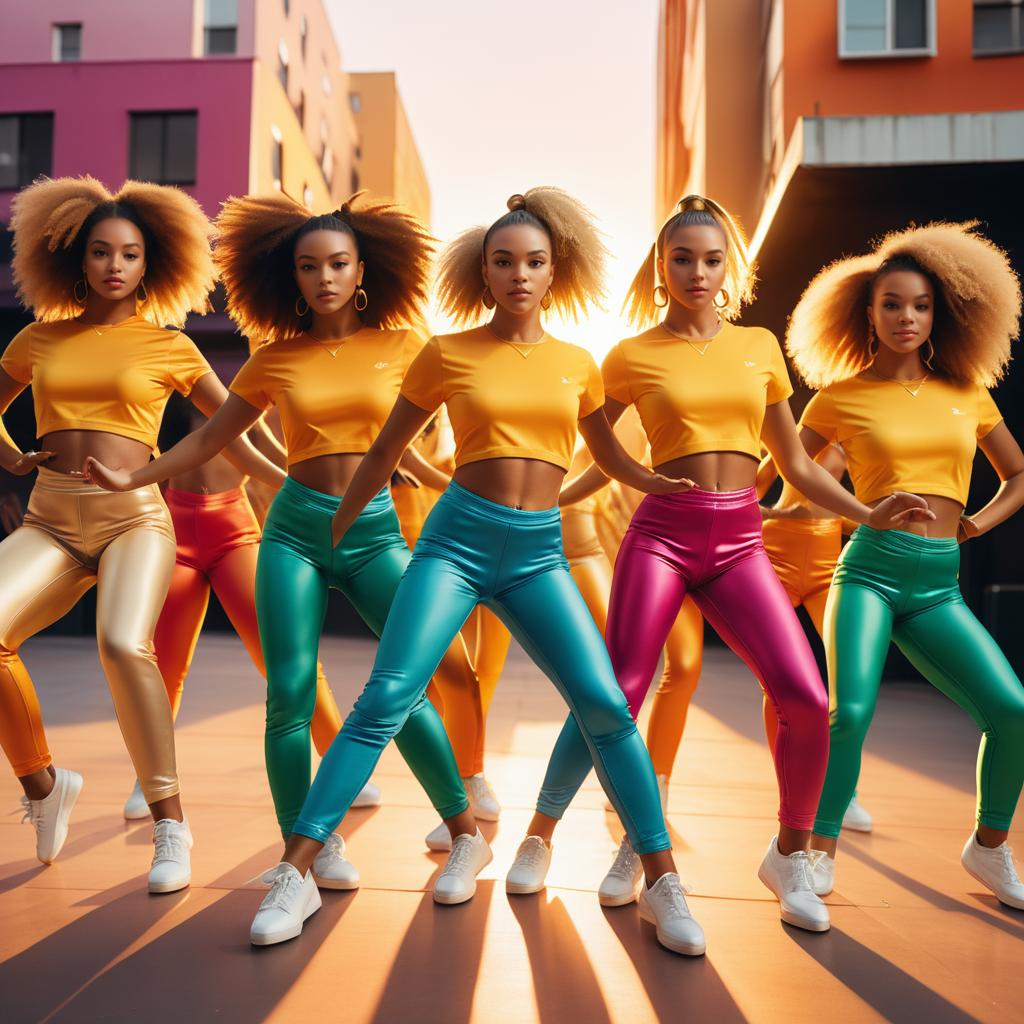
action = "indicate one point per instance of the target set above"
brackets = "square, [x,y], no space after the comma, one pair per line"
[360,294]
[724,304]
[660,290]
[144,297]
[301,312]
[931,354]
[872,341]
[80,299]
[487,299]
[545,303]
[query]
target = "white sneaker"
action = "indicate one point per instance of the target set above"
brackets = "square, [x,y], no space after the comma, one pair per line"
[172,865]
[530,868]
[857,818]
[469,856]
[285,908]
[368,796]
[789,877]
[662,793]
[664,905]
[482,801]
[135,806]
[624,880]
[330,868]
[439,839]
[49,816]
[995,869]
[823,872]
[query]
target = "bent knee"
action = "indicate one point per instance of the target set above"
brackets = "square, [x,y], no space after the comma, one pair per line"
[125,652]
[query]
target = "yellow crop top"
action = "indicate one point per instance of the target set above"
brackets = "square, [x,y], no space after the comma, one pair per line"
[506,400]
[691,403]
[328,404]
[895,441]
[116,379]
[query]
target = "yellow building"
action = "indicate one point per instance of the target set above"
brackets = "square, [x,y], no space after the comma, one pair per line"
[389,161]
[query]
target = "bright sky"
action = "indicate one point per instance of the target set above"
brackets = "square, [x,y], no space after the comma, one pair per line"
[502,97]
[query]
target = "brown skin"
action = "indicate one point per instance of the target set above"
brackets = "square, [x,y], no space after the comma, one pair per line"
[693,270]
[518,269]
[902,312]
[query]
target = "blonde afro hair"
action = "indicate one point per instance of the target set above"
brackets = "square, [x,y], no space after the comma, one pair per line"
[578,254]
[255,252]
[977,306]
[51,220]
[740,272]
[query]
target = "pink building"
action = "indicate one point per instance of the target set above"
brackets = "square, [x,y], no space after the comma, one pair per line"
[221,97]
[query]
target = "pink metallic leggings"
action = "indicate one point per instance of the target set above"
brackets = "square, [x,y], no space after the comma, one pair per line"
[708,545]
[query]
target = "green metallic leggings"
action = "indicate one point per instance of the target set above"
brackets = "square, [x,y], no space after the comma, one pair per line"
[296,566]
[894,584]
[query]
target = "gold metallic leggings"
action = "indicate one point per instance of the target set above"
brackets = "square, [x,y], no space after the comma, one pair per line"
[76,535]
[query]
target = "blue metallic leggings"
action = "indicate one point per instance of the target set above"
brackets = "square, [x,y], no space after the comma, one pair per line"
[474,551]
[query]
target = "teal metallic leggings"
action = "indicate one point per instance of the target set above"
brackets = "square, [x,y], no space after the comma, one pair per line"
[474,551]
[894,584]
[296,566]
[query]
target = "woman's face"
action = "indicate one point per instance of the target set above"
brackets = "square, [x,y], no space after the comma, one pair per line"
[115,258]
[692,264]
[902,310]
[518,267]
[327,270]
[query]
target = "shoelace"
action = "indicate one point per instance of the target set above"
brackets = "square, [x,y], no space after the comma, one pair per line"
[167,844]
[530,854]
[282,892]
[800,866]
[31,814]
[674,899]
[1009,868]
[625,861]
[458,860]
[332,848]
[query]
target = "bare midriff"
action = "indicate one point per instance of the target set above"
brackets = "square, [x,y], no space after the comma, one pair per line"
[528,484]
[947,517]
[70,448]
[330,474]
[213,477]
[713,471]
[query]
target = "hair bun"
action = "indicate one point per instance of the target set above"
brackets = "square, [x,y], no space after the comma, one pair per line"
[692,202]
[517,202]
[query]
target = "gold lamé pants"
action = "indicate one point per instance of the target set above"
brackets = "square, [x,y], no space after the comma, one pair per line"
[77,535]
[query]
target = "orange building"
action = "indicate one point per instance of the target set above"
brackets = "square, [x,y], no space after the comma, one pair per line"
[825,123]
[389,161]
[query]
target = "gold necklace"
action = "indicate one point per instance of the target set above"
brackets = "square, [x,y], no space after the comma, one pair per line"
[689,341]
[529,345]
[913,392]
[332,352]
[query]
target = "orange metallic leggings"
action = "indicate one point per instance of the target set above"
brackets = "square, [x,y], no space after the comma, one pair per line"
[463,707]
[218,540]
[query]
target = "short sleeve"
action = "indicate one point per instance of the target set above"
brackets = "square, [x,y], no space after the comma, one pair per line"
[593,394]
[412,343]
[616,381]
[820,416]
[989,416]
[185,364]
[17,358]
[423,384]
[250,382]
[779,385]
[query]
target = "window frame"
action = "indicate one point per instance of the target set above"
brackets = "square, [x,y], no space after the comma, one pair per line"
[58,27]
[1009,51]
[164,115]
[22,180]
[930,49]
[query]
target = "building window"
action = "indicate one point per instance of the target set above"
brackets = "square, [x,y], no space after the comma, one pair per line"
[300,109]
[303,33]
[220,34]
[282,65]
[886,28]
[354,180]
[998,27]
[355,102]
[26,148]
[307,196]
[287,8]
[163,147]
[67,41]
[276,157]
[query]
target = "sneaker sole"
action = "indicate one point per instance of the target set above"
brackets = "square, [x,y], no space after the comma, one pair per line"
[136,815]
[335,883]
[455,899]
[485,815]
[358,803]
[439,846]
[524,888]
[981,881]
[620,901]
[684,948]
[866,829]
[288,933]
[788,916]
[67,804]
[159,888]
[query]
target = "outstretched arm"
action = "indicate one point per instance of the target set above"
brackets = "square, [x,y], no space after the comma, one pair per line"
[405,421]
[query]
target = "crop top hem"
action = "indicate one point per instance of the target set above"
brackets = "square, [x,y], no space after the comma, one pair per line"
[512,451]
[333,448]
[116,429]
[724,444]
[913,487]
